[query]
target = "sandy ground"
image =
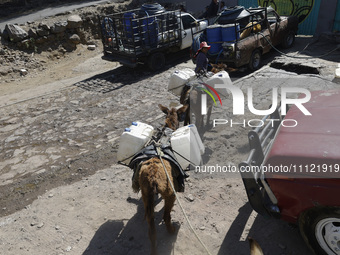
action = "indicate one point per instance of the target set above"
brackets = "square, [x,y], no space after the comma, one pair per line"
[60,131]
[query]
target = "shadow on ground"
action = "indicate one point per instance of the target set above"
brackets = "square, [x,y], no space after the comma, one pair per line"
[129,236]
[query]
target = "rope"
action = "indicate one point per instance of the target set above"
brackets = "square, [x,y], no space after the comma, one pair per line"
[298,57]
[184,158]
[159,152]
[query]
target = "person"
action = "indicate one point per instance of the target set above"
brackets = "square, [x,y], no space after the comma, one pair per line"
[182,8]
[201,58]
[223,7]
[213,9]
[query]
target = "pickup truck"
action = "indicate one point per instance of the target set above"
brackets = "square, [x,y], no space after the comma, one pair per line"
[241,36]
[145,35]
[293,173]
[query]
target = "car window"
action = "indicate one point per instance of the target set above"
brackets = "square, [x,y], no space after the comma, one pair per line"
[187,21]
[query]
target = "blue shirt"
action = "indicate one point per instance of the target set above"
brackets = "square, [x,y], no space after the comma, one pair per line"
[201,63]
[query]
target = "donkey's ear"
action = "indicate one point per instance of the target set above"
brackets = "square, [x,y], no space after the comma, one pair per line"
[182,109]
[163,108]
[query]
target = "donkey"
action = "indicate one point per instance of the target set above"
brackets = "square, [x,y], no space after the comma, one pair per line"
[192,98]
[153,180]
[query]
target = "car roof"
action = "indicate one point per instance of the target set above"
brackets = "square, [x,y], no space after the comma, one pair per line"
[316,138]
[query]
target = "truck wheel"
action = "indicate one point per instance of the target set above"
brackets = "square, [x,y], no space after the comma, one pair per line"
[156,61]
[288,40]
[321,230]
[255,60]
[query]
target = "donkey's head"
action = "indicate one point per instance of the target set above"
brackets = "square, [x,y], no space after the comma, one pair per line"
[218,67]
[172,114]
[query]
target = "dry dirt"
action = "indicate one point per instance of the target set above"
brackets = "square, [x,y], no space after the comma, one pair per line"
[63,193]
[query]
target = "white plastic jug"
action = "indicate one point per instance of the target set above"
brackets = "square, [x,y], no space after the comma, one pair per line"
[178,79]
[222,78]
[133,140]
[187,146]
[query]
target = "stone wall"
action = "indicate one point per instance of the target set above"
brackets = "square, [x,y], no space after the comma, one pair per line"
[66,31]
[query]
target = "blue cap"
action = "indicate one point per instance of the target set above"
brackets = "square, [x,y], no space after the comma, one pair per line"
[134,123]
[127,130]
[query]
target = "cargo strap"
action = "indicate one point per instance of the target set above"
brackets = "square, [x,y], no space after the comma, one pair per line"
[193,164]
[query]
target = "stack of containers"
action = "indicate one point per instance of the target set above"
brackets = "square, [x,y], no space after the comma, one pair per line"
[217,34]
[133,140]
[230,32]
[187,146]
[130,24]
[214,37]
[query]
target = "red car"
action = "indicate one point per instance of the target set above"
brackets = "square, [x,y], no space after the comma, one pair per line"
[293,173]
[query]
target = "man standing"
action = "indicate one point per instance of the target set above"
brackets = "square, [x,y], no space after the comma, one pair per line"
[213,9]
[201,58]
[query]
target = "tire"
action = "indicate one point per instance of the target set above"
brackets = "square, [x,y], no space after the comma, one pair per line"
[255,60]
[321,230]
[288,40]
[156,61]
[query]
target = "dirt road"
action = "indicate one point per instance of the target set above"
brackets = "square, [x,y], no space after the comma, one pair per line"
[63,193]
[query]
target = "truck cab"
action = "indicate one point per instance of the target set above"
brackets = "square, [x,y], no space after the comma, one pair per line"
[190,26]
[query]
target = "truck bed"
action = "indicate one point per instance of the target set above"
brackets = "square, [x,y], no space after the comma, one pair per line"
[131,35]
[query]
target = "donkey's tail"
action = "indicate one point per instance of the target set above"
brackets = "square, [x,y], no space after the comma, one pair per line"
[149,210]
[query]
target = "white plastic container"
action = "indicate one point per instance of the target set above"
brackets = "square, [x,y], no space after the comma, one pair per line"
[133,140]
[220,78]
[187,146]
[178,79]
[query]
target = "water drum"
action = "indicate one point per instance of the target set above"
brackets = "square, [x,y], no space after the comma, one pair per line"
[150,31]
[214,38]
[130,24]
[228,32]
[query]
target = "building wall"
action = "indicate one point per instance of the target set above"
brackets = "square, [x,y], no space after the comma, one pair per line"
[326,16]
[336,26]
[315,16]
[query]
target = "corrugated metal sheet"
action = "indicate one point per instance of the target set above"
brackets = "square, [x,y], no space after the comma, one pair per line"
[336,26]
[306,10]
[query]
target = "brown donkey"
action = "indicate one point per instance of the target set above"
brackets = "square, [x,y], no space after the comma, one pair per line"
[153,180]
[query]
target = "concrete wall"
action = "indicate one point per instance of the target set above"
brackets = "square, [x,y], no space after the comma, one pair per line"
[326,17]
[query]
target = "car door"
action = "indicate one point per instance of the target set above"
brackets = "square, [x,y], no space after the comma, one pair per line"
[189,22]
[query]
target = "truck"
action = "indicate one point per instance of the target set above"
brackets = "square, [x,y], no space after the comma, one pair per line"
[147,34]
[293,173]
[240,36]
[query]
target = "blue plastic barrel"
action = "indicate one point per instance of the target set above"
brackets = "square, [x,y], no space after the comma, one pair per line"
[130,24]
[214,38]
[229,33]
[150,31]
[151,9]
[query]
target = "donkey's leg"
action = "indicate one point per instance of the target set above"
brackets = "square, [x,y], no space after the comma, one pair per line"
[148,200]
[207,124]
[187,120]
[169,201]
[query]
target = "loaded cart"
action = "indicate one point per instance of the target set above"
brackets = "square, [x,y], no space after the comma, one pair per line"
[145,35]
[241,36]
